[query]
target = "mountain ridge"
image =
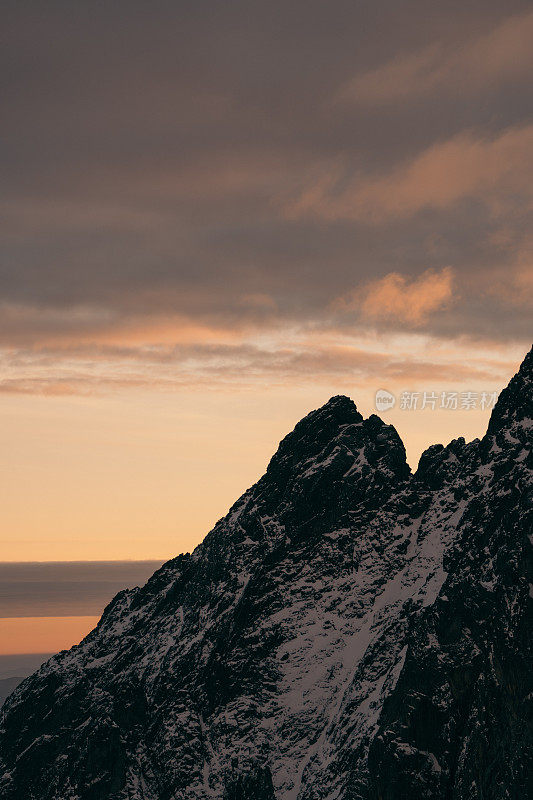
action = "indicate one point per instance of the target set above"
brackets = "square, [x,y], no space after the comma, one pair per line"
[350,629]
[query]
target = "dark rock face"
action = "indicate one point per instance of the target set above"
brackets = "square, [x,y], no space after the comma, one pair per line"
[348,630]
[460,722]
[256,785]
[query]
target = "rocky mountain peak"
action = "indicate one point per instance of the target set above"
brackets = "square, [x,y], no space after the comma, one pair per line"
[348,631]
[333,460]
[439,465]
[337,428]
[515,403]
[316,431]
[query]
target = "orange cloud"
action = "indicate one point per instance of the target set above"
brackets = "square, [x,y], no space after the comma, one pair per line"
[504,53]
[327,356]
[394,297]
[488,169]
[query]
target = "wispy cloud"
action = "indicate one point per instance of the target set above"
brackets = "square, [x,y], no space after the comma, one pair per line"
[287,358]
[504,53]
[493,171]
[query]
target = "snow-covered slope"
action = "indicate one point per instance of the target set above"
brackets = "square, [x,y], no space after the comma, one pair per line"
[348,630]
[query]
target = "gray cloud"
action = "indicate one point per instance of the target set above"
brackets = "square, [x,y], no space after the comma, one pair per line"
[18,666]
[151,153]
[77,588]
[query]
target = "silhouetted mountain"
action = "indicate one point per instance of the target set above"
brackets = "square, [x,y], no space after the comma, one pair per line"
[349,630]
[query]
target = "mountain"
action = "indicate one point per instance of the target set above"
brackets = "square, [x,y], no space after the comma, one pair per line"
[349,631]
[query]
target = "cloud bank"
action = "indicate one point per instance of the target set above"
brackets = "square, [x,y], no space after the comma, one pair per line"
[241,177]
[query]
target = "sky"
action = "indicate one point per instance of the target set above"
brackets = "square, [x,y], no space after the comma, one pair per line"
[215,216]
[48,606]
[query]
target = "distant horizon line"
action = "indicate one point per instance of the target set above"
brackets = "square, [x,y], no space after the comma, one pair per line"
[92,560]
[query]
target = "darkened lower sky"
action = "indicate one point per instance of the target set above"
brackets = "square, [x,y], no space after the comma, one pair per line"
[234,196]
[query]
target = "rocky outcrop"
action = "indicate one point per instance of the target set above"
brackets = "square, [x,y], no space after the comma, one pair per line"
[348,630]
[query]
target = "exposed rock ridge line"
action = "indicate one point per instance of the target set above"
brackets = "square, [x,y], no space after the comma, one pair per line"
[349,631]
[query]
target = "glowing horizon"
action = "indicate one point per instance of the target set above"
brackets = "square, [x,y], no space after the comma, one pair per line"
[213,220]
[139,475]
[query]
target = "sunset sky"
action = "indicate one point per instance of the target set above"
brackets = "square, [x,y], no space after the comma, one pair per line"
[215,216]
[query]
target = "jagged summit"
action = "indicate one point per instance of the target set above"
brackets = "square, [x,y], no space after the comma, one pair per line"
[515,402]
[319,427]
[348,631]
[331,461]
[339,401]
